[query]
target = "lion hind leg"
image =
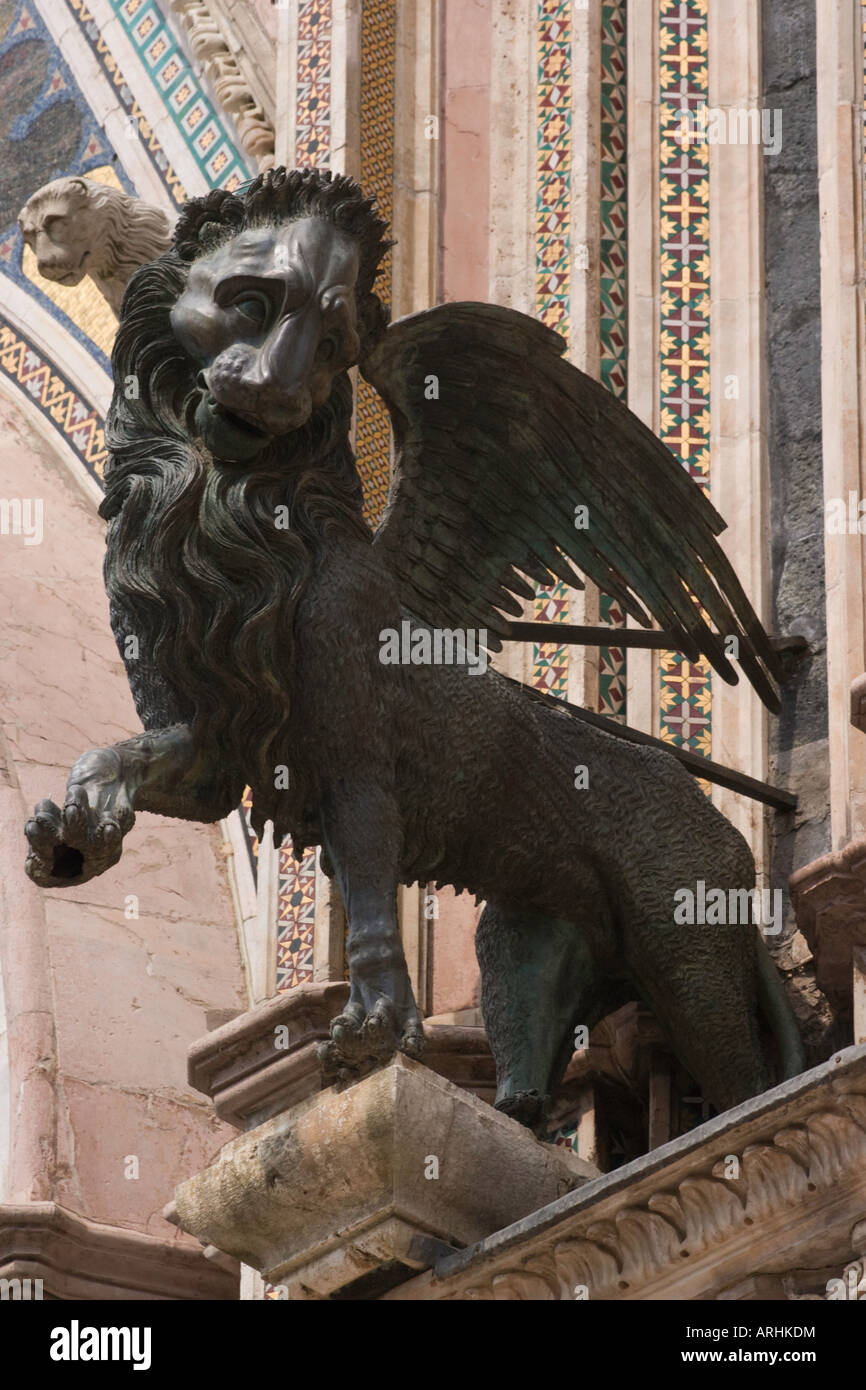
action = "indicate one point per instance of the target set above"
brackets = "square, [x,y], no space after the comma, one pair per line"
[539,981]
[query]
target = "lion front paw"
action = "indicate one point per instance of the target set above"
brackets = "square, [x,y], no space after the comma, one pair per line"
[360,1041]
[74,844]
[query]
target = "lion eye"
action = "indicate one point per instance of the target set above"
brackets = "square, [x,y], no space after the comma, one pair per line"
[253,306]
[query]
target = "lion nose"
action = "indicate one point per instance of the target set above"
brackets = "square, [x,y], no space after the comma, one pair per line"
[241,390]
[287,356]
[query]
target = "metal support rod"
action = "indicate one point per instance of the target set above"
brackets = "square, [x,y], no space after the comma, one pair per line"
[696,764]
[573,634]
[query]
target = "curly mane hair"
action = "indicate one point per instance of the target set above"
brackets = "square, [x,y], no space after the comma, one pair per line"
[195,567]
[130,231]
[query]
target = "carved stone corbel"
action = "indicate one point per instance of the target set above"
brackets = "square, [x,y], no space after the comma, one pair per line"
[232,89]
[78,227]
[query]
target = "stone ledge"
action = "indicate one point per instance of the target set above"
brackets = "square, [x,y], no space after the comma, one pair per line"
[80,1259]
[240,1068]
[672,1225]
[249,1079]
[369,1180]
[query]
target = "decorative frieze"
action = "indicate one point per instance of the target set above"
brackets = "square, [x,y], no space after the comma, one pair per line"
[231,87]
[776,1184]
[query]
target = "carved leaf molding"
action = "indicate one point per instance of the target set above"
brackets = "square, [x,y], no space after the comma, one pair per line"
[255,131]
[641,1244]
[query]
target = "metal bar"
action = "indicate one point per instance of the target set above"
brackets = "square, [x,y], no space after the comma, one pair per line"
[572,634]
[568,634]
[693,762]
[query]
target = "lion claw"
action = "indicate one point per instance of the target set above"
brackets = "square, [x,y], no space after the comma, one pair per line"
[361,1042]
[71,845]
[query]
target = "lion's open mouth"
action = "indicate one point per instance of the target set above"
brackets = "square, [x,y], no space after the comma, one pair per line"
[228,433]
[236,418]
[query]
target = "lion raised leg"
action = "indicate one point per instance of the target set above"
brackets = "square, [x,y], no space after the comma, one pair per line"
[161,771]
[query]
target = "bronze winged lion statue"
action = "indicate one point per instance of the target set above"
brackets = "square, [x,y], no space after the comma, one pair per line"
[250,601]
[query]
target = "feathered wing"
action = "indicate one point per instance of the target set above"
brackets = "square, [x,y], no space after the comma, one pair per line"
[499,442]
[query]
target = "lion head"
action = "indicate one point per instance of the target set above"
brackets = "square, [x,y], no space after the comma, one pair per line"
[78,227]
[277,302]
[238,339]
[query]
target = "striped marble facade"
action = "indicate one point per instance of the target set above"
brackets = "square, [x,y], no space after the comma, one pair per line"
[684,339]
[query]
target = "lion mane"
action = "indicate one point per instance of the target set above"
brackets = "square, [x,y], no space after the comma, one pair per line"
[195,568]
[107,233]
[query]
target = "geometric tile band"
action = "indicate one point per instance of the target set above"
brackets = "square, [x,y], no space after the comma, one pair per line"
[313,86]
[75,419]
[684,339]
[198,122]
[553,152]
[378,60]
[613,286]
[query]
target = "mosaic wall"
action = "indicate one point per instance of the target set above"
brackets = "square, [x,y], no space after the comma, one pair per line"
[313,107]
[296,881]
[204,132]
[47,130]
[74,418]
[684,229]
[137,123]
[552,263]
[378,58]
[613,316]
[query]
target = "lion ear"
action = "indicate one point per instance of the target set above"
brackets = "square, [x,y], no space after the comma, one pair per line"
[80,186]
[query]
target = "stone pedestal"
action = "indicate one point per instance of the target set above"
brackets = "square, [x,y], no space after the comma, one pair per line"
[263,1062]
[356,1189]
[766,1201]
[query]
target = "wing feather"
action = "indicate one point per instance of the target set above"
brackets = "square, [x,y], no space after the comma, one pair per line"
[499,440]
